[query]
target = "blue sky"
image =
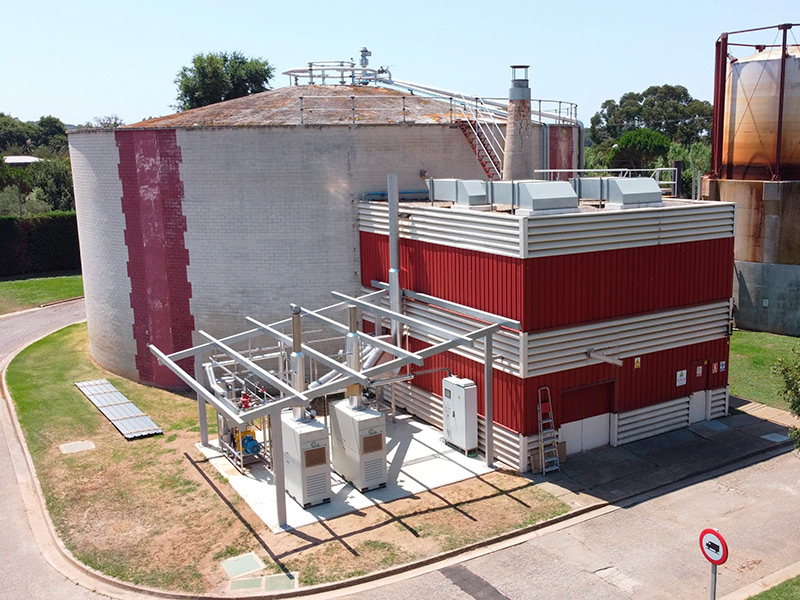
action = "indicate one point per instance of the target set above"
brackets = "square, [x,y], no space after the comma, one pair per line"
[79,60]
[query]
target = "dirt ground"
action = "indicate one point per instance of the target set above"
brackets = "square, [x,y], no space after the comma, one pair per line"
[153,511]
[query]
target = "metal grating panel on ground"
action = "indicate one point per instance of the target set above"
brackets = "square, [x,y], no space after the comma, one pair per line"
[123,414]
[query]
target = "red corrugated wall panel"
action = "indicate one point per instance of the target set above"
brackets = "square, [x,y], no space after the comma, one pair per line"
[560,291]
[478,279]
[515,398]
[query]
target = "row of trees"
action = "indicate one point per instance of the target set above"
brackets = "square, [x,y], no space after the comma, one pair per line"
[44,185]
[651,129]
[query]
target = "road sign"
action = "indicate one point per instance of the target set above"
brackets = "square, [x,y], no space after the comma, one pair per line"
[713,546]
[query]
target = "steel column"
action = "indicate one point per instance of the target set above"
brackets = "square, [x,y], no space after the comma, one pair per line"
[488,398]
[201,403]
[720,73]
[776,176]
[276,442]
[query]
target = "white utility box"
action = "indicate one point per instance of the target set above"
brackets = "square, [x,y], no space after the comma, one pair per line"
[460,412]
[358,445]
[305,451]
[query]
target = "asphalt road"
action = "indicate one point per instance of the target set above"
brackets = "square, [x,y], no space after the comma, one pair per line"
[25,572]
[648,550]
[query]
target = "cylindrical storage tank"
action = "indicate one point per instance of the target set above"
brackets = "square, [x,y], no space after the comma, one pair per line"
[752,102]
[193,221]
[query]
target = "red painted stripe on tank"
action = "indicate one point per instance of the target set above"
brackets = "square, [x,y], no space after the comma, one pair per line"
[157,256]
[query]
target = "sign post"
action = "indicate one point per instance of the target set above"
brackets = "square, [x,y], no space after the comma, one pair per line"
[715,549]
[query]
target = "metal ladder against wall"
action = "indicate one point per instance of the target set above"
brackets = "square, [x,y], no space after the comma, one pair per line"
[548,448]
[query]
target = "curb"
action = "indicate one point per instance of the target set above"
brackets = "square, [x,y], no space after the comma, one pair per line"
[63,301]
[47,539]
[40,307]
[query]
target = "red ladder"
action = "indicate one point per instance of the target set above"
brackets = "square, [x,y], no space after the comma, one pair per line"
[548,448]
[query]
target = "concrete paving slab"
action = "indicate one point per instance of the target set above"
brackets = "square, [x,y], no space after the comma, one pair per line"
[625,487]
[418,460]
[73,447]
[647,446]
[776,437]
[740,420]
[740,441]
[244,564]
[765,427]
[712,425]
[275,583]
[251,583]
[600,475]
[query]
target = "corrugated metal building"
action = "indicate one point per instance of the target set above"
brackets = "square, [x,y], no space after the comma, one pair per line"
[648,286]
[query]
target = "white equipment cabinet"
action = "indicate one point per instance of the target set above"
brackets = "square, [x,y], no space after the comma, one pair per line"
[460,412]
[308,472]
[358,445]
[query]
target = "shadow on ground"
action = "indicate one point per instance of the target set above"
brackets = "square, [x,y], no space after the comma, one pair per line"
[616,474]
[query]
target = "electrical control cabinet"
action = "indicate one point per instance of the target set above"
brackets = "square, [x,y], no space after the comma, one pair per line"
[460,412]
[307,469]
[358,445]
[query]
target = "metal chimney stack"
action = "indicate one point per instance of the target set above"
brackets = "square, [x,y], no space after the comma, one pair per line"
[518,162]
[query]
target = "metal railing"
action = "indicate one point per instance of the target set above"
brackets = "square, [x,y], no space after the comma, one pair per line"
[666,177]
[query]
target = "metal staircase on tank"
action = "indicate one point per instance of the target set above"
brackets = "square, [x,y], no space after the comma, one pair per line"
[548,448]
[485,152]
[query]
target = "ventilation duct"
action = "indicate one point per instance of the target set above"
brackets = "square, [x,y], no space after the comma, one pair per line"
[464,193]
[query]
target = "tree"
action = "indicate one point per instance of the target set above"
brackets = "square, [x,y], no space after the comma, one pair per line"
[789,371]
[51,133]
[667,109]
[638,149]
[219,76]
[52,183]
[16,134]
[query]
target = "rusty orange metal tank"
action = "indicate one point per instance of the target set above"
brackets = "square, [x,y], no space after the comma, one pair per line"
[751,119]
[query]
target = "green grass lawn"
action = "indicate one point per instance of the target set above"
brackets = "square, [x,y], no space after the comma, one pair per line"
[753,354]
[19,294]
[788,590]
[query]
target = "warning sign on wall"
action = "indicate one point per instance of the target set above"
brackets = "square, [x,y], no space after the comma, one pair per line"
[637,362]
[722,365]
[700,370]
[680,378]
[714,368]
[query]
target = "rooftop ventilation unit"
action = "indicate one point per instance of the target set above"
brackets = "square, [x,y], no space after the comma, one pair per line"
[464,193]
[637,192]
[534,197]
[358,445]
[308,473]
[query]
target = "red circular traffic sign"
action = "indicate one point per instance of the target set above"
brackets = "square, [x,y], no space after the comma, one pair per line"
[713,546]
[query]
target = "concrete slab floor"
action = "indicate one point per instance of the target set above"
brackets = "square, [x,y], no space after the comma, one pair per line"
[244,564]
[73,447]
[275,583]
[417,461]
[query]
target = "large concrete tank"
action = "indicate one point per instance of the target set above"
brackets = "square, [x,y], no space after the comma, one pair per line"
[192,221]
[752,107]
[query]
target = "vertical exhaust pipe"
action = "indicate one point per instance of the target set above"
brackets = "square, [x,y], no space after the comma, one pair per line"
[518,152]
[298,361]
[352,348]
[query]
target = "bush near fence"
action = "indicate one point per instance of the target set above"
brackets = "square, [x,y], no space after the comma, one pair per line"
[41,244]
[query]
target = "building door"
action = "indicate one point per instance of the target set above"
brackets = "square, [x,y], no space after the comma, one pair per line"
[585,416]
[698,390]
